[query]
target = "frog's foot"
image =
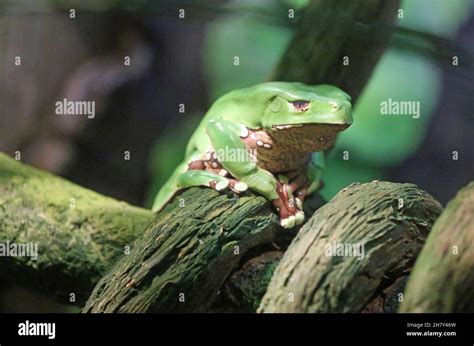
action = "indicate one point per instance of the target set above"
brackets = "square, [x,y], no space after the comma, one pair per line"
[209,162]
[288,206]
[196,177]
[232,184]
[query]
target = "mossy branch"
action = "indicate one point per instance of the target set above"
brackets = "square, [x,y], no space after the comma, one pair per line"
[79,233]
[187,252]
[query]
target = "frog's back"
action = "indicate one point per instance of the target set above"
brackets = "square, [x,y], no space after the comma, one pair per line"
[244,106]
[221,108]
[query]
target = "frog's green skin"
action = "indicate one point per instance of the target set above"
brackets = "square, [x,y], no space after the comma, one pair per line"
[283,127]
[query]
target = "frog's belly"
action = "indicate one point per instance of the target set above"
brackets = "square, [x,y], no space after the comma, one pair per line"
[276,161]
[279,151]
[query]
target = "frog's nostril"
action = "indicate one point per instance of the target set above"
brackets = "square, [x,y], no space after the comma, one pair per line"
[334,106]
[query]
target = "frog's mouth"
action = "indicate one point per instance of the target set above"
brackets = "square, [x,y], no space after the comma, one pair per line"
[308,137]
[333,128]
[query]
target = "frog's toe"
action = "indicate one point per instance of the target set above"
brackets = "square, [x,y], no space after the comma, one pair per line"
[222,185]
[237,186]
[240,186]
[299,218]
[288,222]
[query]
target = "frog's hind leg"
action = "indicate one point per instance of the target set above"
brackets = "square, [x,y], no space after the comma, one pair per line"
[182,178]
[169,189]
[195,174]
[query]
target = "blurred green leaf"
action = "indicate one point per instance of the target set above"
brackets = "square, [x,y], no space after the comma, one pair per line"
[297,4]
[384,140]
[440,17]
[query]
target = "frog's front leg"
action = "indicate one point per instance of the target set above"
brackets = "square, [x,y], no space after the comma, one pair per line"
[234,155]
[218,182]
[288,206]
[305,181]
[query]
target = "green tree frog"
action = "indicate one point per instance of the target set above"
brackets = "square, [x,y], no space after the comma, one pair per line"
[268,138]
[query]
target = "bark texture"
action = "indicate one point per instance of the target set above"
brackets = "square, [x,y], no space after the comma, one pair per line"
[383,224]
[187,252]
[242,292]
[443,276]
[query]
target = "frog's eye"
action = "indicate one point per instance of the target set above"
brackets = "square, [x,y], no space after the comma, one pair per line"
[300,105]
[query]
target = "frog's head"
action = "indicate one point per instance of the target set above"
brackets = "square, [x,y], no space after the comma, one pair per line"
[295,104]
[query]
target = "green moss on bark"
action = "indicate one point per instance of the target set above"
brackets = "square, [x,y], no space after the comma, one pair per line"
[79,232]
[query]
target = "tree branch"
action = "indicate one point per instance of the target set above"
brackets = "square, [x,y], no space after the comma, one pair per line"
[351,249]
[79,233]
[184,256]
[443,277]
